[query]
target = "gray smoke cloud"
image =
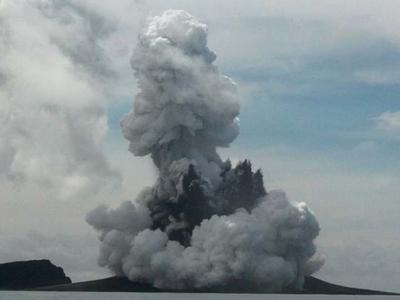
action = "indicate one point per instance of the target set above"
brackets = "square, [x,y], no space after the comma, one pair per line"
[204,223]
[52,97]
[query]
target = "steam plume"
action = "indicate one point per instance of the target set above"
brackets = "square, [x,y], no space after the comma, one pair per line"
[204,223]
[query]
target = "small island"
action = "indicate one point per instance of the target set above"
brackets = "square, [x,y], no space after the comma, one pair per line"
[21,275]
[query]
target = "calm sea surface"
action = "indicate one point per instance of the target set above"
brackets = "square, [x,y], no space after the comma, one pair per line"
[149,296]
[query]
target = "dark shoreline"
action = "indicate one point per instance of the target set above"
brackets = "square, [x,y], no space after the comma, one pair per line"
[42,275]
[312,285]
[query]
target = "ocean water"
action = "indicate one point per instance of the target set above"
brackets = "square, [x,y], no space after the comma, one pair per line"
[171,296]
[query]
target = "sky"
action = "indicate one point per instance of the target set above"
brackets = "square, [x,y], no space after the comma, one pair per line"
[319,84]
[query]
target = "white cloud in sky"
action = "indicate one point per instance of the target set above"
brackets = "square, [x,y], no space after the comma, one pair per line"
[389,122]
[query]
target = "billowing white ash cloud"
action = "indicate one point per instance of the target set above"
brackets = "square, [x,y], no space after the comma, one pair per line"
[204,223]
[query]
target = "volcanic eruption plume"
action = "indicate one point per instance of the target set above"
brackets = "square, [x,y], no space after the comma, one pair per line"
[204,223]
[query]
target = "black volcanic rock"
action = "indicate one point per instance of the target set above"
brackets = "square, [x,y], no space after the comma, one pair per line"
[30,274]
[312,285]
